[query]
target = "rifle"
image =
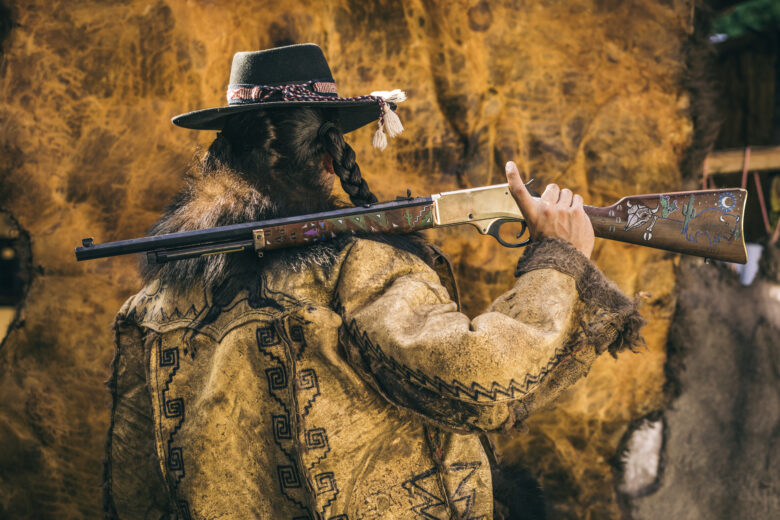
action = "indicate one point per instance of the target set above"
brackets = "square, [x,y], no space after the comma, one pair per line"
[704,223]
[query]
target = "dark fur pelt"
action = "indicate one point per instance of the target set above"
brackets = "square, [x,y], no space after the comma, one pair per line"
[769,263]
[223,198]
[219,199]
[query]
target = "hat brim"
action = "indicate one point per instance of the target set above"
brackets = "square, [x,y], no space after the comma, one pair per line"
[349,115]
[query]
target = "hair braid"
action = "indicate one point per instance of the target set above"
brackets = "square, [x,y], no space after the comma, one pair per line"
[346,167]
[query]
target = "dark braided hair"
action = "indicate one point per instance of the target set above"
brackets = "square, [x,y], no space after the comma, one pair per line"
[273,161]
[286,147]
[345,166]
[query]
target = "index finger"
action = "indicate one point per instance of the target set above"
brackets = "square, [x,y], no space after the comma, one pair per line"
[520,193]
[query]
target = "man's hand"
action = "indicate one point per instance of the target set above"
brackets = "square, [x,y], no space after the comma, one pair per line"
[558,213]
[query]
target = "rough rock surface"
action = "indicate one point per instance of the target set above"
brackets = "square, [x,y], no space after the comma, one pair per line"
[587,93]
[721,458]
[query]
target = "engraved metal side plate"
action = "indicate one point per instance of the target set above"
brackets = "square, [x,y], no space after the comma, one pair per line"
[478,206]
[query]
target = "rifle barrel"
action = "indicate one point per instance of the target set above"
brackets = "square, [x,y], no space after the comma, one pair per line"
[219,236]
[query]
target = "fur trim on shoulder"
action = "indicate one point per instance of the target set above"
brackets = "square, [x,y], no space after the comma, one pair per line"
[219,199]
[213,200]
[223,198]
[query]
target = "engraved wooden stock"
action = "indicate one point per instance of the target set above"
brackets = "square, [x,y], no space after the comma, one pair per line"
[704,223]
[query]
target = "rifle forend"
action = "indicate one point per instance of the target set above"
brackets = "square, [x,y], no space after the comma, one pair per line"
[704,223]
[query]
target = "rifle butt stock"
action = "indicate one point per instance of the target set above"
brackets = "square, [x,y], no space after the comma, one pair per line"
[707,223]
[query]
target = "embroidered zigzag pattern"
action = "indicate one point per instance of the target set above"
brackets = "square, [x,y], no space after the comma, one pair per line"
[456,389]
[148,305]
[308,380]
[430,500]
[173,409]
[465,493]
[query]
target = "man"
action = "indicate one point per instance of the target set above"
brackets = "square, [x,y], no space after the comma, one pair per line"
[336,381]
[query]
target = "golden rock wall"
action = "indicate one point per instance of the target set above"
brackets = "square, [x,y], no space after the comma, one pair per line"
[586,93]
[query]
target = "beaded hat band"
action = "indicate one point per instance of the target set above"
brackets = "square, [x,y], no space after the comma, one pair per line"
[297,75]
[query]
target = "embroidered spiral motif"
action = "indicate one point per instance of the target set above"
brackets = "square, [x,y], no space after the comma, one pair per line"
[307,379]
[175,460]
[288,477]
[277,378]
[266,336]
[316,438]
[169,357]
[325,482]
[174,408]
[281,425]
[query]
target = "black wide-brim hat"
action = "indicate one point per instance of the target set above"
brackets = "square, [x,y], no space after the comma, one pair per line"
[295,75]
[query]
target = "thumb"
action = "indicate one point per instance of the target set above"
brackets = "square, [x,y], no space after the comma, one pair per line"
[524,199]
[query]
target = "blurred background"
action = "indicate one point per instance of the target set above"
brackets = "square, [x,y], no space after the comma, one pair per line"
[607,97]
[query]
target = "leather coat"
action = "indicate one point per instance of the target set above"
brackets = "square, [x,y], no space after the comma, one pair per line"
[349,391]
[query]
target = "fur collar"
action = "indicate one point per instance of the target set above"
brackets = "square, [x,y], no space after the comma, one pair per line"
[219,199]
[223,198]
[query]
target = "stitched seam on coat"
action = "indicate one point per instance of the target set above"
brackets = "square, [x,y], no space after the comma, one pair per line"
[288,475]
[171,409]
[109,508]
[436,455]
[456,389]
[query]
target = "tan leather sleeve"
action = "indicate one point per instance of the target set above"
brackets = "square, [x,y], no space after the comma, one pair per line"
[133,486]
[405,335]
